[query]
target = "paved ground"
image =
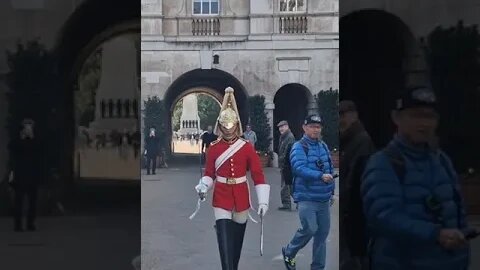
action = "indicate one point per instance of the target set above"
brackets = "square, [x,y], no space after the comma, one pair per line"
[170,241]
[101,231]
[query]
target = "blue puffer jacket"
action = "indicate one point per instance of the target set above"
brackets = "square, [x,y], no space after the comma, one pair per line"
[308,185]
[404,231]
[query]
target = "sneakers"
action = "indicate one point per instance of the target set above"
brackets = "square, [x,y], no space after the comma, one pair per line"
[289,262]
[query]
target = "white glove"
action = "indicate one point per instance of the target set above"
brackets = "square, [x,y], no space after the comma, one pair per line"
[10,177]
[262,209]
[201,188]
[263,195]
[204,184]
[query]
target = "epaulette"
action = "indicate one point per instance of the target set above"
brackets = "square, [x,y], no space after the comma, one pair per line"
[215,142]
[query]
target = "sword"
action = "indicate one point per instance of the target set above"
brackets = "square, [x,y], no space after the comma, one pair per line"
[202,196]
[261,232]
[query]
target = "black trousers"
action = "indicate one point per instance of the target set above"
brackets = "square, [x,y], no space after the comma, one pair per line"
[22,193]
[151,163]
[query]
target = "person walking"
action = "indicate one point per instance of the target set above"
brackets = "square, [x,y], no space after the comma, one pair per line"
[225,172]
[313,189]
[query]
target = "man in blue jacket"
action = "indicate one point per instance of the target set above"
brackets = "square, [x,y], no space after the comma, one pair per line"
[415,217]
[313,188]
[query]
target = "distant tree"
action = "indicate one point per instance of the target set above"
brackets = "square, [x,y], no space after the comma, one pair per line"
[453,56]
[327,102]
[155,116]
[177,113]
[208,111]
[33,87]
[88,81]
[260,123]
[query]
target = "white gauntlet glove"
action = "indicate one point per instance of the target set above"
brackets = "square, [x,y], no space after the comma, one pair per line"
[262,209]
[204,184]
[201,188]
[263,195]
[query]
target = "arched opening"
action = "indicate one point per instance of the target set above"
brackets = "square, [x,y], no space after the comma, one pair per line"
[191,116]
[374,52]
[291,104]
[211,82]
[80,38]
[106,111]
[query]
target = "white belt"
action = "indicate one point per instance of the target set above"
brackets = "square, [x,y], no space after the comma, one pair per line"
[231,180]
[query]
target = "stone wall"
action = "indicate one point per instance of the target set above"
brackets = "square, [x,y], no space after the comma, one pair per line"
[261,72]
[414,13]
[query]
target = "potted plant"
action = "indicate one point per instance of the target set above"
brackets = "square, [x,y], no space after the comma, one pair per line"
[260,124]
[155,116]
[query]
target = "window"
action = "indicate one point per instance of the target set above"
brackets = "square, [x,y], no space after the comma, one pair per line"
[205,7]
[292,5]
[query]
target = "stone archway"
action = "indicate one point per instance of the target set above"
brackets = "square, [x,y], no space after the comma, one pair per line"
[212,82]
[292,102]
[190,121]
[377,49]
[78,38]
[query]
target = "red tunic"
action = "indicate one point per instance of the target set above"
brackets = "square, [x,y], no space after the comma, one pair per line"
[227,196]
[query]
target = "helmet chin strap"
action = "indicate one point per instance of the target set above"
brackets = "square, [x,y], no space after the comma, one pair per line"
[229,135]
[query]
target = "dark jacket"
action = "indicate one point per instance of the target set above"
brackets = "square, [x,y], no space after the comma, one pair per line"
[152,146]
[308,184]
[355,143]
[285,143]
[27,161]
[404,230]
[207,139]
[355,148]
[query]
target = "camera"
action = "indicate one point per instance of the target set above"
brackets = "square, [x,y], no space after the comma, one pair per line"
[320,164]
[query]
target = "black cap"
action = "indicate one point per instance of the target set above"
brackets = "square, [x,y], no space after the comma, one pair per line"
[312,119]
[416,97]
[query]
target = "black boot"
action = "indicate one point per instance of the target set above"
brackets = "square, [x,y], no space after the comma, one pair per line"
[239,234]
[225,240]
[18,225]
[31,225]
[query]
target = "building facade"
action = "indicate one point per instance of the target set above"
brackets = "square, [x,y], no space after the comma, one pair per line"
[286,51]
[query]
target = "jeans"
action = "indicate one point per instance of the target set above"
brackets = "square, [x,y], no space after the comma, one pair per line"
[315,220]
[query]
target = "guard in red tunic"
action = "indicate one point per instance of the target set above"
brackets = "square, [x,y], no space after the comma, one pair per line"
[227,162]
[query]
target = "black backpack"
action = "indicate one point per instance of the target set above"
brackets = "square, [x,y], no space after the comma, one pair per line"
[287,173]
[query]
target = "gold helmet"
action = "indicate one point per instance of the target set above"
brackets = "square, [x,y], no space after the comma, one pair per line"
[229,116]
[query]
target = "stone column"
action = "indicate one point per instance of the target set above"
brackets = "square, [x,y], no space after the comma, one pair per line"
[269,107]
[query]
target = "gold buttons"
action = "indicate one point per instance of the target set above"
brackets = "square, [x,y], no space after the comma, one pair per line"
[231,160]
